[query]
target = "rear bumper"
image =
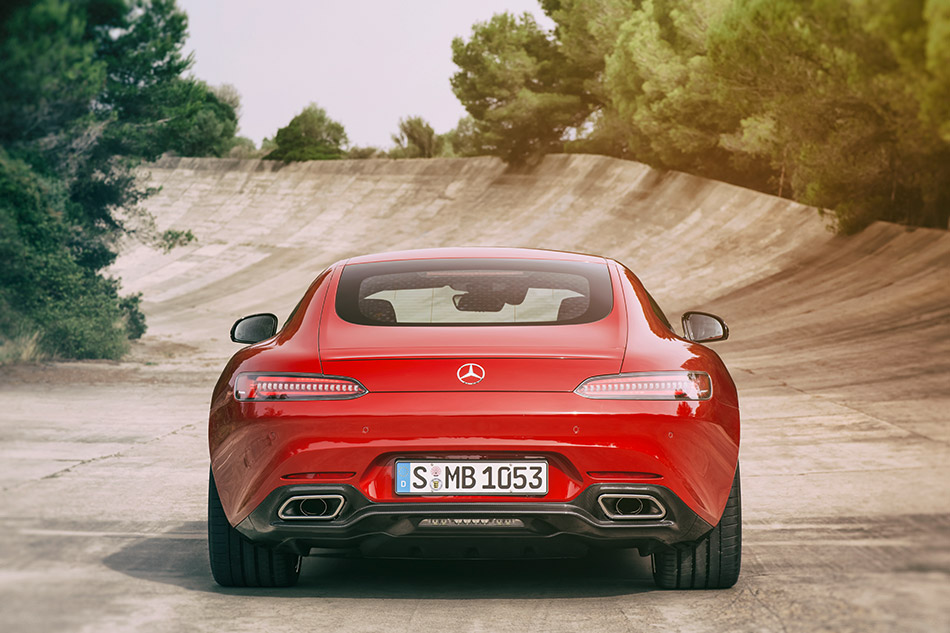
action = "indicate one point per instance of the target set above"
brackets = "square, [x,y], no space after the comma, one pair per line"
[690,448]
[519,529]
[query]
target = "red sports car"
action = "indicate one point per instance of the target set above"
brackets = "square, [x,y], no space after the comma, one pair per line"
[475,402]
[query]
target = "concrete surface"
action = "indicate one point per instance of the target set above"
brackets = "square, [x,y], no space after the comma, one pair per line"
[840,347]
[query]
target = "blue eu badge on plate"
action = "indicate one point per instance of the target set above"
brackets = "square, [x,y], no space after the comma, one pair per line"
[402,477]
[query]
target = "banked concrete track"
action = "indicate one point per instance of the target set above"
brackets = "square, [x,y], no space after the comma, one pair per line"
[865,317]
[840,347]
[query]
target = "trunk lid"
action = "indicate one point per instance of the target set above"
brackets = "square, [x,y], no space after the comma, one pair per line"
[543,358]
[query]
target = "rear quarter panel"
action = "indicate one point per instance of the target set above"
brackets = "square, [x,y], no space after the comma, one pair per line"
[651,346]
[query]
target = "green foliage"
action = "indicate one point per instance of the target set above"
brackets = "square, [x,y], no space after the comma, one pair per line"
[935,98]
[86,320]
[91,88]
[172,238]
[844,90]
[840,104]
[228,94]
[587,31]
[416,139]
[522,92]
[244,147]
[268,145]
[362,153]
[311,135]
[201,124]
[43,288]
[154,109]
[22,348]
[669,105]
[465,139]
[132,314]
[48,72]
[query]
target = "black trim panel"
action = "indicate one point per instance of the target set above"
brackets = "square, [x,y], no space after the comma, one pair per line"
[384,529]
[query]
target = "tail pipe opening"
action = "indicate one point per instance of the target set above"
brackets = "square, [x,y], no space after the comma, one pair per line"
[311,507]
[631,506]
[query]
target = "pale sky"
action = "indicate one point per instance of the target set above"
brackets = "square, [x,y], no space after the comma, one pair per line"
[367,62]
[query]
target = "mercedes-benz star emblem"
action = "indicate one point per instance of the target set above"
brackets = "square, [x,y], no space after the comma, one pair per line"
[471,373]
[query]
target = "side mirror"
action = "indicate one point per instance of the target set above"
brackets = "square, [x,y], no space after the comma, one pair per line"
[702,327]
[254,328]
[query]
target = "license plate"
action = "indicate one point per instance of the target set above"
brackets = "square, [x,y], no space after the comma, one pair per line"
[472,477]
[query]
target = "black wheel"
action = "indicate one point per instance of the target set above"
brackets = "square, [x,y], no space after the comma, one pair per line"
[236,562]
[711,563]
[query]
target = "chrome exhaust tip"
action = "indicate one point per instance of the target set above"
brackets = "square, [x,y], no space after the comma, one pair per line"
[311,507]
[621,506]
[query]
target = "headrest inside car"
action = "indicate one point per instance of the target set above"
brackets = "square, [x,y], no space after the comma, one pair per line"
[378,310]
[572,307]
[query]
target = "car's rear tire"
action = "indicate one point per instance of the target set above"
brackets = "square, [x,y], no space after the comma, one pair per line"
[711,563]
[236,562]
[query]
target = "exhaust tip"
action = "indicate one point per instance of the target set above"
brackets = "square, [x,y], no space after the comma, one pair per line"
[631,506]
[314,507]
[310,507]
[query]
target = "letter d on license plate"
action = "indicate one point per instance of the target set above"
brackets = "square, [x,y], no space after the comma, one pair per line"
[472,477]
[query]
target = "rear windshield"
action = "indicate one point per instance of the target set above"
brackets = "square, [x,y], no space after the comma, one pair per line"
[474,292]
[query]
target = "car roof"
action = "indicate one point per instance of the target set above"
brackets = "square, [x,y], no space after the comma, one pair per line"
[475,253]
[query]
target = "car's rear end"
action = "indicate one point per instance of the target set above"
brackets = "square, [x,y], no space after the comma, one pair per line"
[474,403]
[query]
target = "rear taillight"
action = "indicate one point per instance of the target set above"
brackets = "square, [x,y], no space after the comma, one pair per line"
[296,387]
[664,385]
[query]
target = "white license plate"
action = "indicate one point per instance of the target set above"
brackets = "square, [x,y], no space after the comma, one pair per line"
[472,477]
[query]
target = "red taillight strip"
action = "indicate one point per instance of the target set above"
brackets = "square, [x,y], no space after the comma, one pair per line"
[660,385]
[622,475]
[340,475]
[274,386]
